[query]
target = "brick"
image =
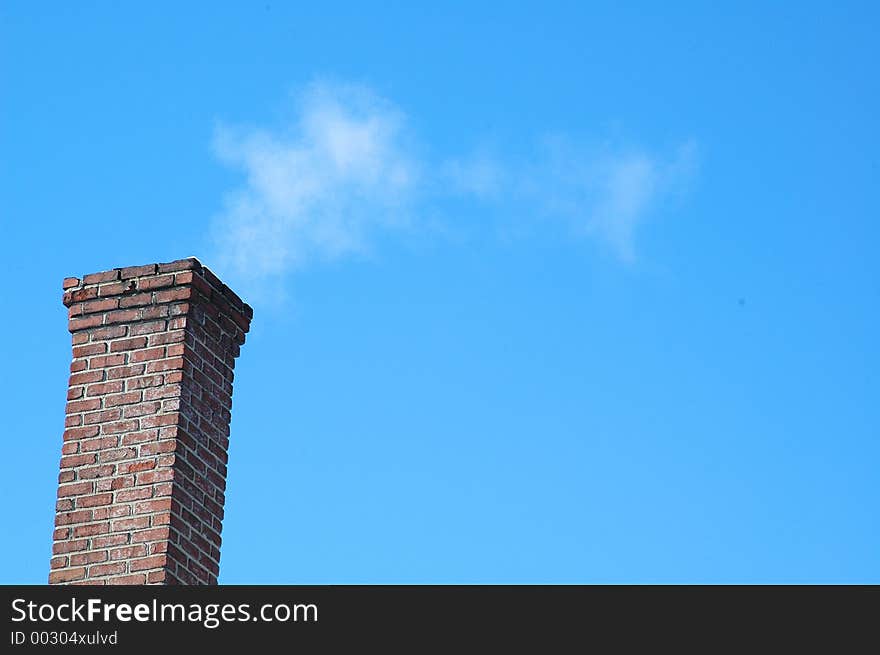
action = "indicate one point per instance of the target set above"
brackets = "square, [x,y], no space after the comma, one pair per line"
[95,500]
[138,271]
[105,276]
[99,305]
[101,443]
[75,489]
[66,575]
[118,427]
[91,557]
[128,495]
[91,529]
[67,518]
[86,377]
[156,282]
[80,406]
[128,344]
[137,467]
[145,443]
[104,388]
[122,316]
[136,300]
[128,552]
[70,282]
[103,416]
[125,371]
[175,294]
[84,323]
[148,354]
[117,288]
[191,263]
[165,365]
[153,562]
[153,534]
[107,540]
[104,361]
[142,409]
[135,523]
[90,349]
[147,507]
[110,332]
[154,380]
[122,399]
[149,327]
[78,460]
[107,569]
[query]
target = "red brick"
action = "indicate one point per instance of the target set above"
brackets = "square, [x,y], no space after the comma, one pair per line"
[153,534]
[103,416]
[143,409]
[128,495]
[94,501]
[156,447]
[117,288]
[107,569]
[150,327]
[100,443]
[88,558]
[104,541]
[155,282]
[145,381]
[80,406]
[190,263]
[128,344]
[145,355]
[90,349]
[103,361]
[106,276]
[122,316]
[104,388]
[70,282]
[67,518]
[122,399]
[137,300]
[177,293]
[77,460]
[147,507]
[85,378]
[91,529]
[118,427]
[110,332]
[100,305]
[154,562]
[85,322]
[136,467]
[127,552]
[75,489]
[151,477]
[165,365]
[125,371]
[138,271]
[159,421]
[139,437]
[66,575]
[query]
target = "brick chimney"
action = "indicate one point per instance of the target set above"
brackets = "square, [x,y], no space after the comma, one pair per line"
[143,463]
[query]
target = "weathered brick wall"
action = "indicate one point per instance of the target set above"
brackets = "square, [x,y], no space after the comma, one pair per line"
[143,465]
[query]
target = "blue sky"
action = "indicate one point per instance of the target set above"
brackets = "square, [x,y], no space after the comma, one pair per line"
[544,292]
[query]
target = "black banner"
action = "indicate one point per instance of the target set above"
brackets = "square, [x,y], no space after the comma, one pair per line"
[571,617]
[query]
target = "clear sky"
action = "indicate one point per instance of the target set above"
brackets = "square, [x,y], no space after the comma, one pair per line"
[543,292]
